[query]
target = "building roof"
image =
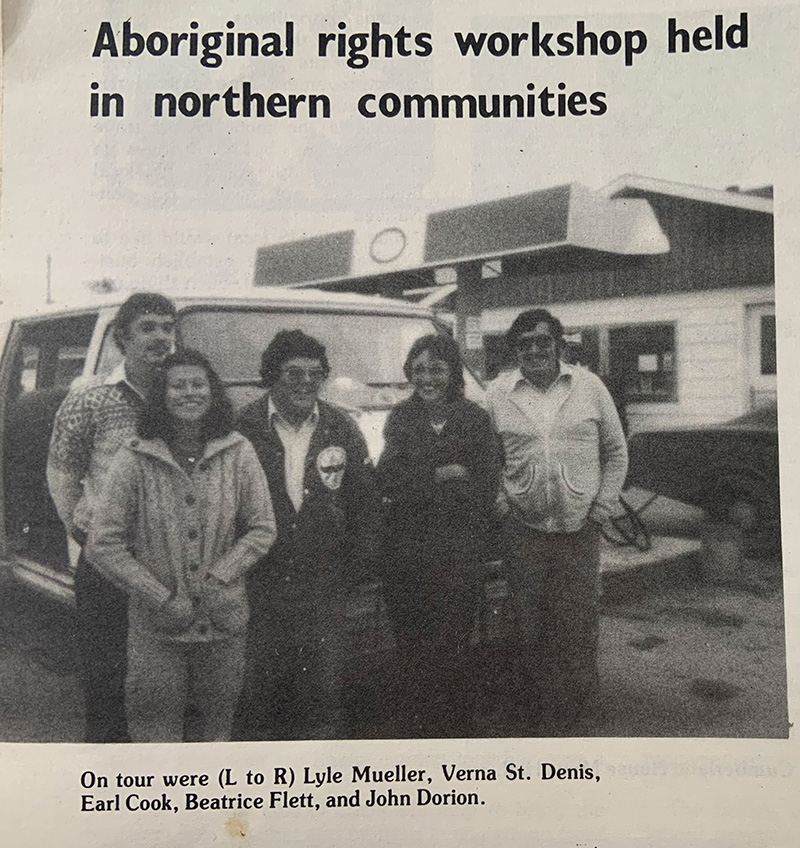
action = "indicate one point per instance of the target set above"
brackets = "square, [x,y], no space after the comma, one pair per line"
[559,227]
[632,184]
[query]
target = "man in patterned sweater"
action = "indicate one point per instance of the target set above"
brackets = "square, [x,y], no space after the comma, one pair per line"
[92,423]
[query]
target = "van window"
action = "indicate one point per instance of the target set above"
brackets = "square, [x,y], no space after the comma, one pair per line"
[49,355]
[370,348]
[28,368]
[110,355]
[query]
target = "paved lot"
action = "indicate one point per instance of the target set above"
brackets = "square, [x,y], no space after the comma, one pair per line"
[687,658]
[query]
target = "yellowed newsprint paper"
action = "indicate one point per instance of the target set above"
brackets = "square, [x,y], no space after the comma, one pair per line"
[633,168]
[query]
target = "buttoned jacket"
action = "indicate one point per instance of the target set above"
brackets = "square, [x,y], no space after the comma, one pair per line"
[159,531]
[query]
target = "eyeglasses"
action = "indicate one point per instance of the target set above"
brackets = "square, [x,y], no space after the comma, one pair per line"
[300,375]
[430,371]
[541,342]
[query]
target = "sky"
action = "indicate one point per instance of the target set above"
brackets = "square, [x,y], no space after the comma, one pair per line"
[184,203]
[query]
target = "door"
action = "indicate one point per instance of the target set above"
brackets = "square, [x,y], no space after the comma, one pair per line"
[45,357]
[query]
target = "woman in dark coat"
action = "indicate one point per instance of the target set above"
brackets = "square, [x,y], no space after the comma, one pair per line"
[439,475]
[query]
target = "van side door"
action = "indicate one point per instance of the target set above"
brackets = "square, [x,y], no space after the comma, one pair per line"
[42,358]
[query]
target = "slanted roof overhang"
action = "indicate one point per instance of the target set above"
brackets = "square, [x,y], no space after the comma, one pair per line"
[563,223]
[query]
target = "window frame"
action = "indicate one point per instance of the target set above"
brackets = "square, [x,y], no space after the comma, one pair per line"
[603,339]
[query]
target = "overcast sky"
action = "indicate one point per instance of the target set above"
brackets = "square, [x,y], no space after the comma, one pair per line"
[185,202]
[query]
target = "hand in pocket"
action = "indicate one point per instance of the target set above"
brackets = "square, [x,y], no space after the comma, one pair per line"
[175,615]
[225,604]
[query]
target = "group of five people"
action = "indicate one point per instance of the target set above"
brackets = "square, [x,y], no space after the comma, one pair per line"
[219,553]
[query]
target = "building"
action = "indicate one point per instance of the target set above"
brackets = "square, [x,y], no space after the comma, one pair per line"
[667,290]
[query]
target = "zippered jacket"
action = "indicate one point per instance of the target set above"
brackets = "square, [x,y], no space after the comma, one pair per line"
[565,455]
[429,521]
[335,535]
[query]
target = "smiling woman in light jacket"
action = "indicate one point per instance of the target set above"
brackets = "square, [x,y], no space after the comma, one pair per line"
[186,512]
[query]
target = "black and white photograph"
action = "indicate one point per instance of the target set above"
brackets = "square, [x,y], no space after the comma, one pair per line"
[392,396]
[387,561]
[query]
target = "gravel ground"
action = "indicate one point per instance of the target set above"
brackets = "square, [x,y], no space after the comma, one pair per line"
[679,656]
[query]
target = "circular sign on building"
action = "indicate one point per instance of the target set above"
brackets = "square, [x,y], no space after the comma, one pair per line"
[387,245]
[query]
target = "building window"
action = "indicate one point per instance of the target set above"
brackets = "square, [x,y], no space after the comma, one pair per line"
[637,363]
[499,357]
[642,362]
[582,347]
[769,359]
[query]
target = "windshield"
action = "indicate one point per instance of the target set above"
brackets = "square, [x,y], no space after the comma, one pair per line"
[365,352]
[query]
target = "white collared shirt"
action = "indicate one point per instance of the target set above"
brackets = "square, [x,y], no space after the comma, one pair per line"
[295,441]
[120,375]
[543,404]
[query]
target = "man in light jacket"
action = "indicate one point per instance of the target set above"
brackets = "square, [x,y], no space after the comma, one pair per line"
[565,465]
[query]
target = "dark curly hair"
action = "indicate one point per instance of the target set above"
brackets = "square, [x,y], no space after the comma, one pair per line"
[155,422]
[290,344]
[444,348]
[527,321]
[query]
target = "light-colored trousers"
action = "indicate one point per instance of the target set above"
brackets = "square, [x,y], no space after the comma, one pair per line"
[166,676]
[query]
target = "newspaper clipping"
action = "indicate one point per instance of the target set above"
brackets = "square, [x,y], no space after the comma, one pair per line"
[389,422]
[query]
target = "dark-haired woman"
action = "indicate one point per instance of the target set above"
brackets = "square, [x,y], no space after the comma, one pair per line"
[186,512]
[439,475]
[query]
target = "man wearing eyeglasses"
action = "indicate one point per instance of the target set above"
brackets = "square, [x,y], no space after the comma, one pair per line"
[326,507]
[565,465]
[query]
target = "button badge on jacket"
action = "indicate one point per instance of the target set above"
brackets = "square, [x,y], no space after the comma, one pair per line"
[331,463]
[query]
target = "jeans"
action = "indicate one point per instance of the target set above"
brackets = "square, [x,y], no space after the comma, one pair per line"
[433,612]
[297,650]
[166,676]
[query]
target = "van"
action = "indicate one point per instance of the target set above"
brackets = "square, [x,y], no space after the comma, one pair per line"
[43,355]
